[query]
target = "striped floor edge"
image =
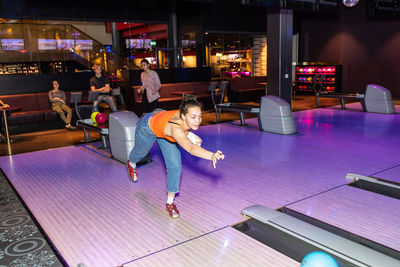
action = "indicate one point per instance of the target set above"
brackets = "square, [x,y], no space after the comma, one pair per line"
[22,242]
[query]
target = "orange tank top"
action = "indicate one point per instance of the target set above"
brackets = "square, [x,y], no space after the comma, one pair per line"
[158,122]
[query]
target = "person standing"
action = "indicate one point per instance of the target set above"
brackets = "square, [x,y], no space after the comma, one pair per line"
[99,83]
[170,129]
[150,87]
[58,99]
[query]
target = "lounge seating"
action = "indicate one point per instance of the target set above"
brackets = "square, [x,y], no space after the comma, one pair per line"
[35,111]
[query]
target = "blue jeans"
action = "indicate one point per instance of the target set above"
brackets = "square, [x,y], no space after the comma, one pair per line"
[144,140]
[104,98]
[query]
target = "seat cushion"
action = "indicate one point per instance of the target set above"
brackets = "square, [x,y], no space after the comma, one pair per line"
[25,117]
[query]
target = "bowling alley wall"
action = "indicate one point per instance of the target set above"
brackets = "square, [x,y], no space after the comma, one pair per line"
[368,49]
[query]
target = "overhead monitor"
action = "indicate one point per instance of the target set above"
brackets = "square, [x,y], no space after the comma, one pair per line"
[12,44]
[147,43]
[134,43]
[83,44]
[47,44]
[65,44]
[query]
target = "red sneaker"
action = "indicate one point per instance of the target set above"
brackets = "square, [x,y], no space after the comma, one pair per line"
[172,210]
[132,172]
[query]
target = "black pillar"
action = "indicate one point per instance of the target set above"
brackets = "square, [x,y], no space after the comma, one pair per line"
[279,53]
[200,49]
[173,36]
[116,39]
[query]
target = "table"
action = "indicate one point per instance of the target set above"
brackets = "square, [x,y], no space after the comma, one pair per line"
[90,125]
[5,109]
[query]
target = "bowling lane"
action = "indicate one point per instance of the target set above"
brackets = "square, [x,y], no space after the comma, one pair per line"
[391,174]
[224,247]
[369,215]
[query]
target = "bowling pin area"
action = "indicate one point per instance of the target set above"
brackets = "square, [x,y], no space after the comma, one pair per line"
[327,193]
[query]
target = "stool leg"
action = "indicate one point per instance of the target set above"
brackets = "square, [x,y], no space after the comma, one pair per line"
[218,114]
[241,118]
[342,103]
[103,141]
[84,132]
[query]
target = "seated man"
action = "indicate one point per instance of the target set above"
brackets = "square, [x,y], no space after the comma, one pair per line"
[99,83]
[58,99]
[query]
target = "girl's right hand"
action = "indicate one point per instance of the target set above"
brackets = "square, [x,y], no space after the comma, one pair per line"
[217,156]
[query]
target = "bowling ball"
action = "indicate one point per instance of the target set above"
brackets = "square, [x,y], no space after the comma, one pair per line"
[318,259]
[93,116]
[309,79]
[101,118]
[300,70]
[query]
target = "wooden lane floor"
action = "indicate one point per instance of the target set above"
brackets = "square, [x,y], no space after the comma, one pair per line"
[34,141]
[226,247]
[366,214]
[391,174]
[95,215]
[86,205]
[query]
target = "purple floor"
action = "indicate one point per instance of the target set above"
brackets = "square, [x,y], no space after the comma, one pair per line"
[87,205]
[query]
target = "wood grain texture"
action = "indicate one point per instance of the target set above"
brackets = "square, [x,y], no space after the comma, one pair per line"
[95,215]
[391,174]
[226,247]
[366,214]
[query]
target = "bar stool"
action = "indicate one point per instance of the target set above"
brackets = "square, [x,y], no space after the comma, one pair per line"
[83,109]
[218,96]
[117,93]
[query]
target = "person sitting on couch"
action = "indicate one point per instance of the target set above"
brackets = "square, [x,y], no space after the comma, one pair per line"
[99,83]
[58,99]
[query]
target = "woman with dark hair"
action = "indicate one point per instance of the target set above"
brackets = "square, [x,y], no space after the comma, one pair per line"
[58,99]
[150,86]
[170,129]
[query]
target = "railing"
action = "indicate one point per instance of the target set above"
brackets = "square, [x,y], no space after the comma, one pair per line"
[36,43]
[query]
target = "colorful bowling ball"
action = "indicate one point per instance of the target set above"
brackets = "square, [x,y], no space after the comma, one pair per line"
[300,70]
[310,70]
[93,116]
[101,118]
[319,70]
[309,79]
[318,259]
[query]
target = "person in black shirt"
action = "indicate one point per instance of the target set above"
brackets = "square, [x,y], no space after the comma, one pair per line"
[99,83]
